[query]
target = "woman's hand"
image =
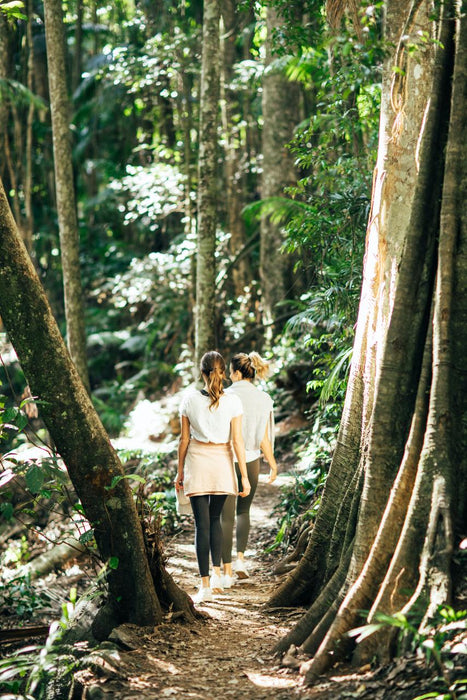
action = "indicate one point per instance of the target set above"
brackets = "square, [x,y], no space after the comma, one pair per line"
[178,482]
[272,474]
[246,488]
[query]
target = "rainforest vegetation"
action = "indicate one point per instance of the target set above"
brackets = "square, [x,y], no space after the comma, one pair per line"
[280,176]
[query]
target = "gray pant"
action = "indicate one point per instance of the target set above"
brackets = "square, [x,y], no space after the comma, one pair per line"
[242,506]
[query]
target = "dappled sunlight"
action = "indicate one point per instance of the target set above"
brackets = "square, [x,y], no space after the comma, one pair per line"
[148,426]
[262,680]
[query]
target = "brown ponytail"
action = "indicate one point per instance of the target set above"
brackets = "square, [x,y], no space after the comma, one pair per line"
[212,367]
[250,366]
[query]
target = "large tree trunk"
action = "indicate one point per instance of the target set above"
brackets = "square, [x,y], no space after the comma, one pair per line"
[234,155]
[92,463]
[280,106]
[78,47]
[27,228]
[64,182]
[4,53]
[205,330]
[404,392]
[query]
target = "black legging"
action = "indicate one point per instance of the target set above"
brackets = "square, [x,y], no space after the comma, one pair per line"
[208,531]
[242,505]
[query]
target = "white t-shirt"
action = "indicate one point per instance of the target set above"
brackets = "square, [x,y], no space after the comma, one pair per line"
[210,424]
[258,413]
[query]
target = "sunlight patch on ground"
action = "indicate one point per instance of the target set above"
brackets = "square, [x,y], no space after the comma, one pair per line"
[262,680]
[150,418]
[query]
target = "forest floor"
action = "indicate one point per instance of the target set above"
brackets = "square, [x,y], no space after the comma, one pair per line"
[229,653]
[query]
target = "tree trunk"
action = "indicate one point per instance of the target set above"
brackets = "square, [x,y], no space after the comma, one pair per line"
[234,179]
[78,46]
[28,224]
[94,467]
[404,393]
[280,105]
[4,53]
[205,331]
[66,205]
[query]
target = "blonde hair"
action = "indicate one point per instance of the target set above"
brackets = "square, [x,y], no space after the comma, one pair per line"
[212,366]
[250,366]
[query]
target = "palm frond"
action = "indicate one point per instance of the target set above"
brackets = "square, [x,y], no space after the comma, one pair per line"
[278,209]
[330,384]
[13,91]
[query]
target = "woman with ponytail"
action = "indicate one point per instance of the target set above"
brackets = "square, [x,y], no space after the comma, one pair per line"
[258,434]
[211,423]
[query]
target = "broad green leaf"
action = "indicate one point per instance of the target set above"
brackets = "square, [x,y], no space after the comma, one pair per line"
[34,478]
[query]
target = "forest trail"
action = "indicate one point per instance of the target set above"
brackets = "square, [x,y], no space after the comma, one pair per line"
[226,655]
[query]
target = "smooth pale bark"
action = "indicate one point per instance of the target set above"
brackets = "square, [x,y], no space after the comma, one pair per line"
[27,227]
[64,184]
[234,155]
[93,465]
[78,46]
[280,107]
[4,53]
[205,322]
[401,403]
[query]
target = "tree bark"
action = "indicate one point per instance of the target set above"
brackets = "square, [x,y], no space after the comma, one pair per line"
[280,107]
[64,182]
[93,465]
[205,329]
[28,225]
[401,404]
[234,178]
[4,53]
[78,46]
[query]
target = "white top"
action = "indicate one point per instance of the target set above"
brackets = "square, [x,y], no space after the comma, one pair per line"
[210,424]
[257,414]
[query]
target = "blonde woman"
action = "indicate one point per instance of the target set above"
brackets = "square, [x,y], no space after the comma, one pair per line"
[211,423]
[258,434]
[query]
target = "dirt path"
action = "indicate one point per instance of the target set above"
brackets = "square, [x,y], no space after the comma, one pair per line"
[228,655]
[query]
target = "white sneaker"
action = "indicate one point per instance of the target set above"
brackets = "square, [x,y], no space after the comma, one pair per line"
[240,569]
[204,595]
[227,581]
[216,583]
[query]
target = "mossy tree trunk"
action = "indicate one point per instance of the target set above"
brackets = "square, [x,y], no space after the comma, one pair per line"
[92,463]
[205,324]
[64,184]
[387,525]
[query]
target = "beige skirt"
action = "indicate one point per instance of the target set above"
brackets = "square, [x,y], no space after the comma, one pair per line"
[209,468]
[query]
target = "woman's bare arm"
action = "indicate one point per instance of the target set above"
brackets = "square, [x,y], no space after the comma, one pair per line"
[266,449]
[239,449]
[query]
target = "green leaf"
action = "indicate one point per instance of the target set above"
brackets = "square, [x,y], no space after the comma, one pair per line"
[6,509]
[114,562]
[34,478]
[13,9]
[86,536]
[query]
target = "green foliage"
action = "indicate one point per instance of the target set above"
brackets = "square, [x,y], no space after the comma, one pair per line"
[435,641]
[156,494]
[298,503]
[13,420]
[31,668]
[12,9]
[18,596]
